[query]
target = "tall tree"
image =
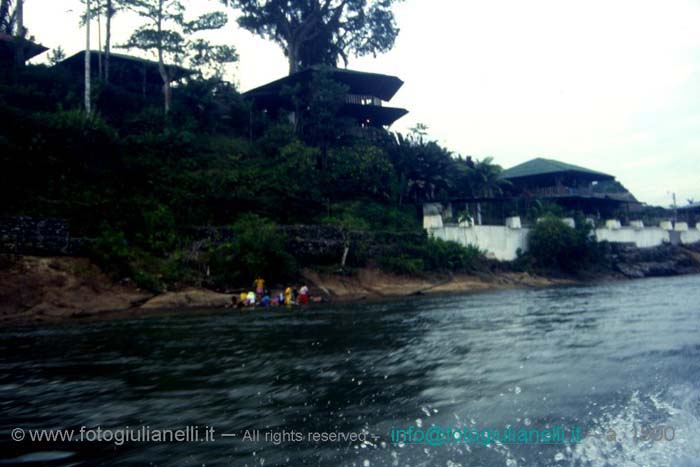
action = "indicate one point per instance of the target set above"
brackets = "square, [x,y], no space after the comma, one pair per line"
[313,32]
[19,18]
[88,16]
[167,34]
[110,11]
[57,55]
[106,8]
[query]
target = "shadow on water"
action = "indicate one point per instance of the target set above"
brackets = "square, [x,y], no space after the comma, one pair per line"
[594,356]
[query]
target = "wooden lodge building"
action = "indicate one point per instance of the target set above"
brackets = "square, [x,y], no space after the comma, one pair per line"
[133,74]
[570,186]
[364,102]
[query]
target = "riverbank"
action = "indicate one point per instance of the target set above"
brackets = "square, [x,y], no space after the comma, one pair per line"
[57,289]
[35,290]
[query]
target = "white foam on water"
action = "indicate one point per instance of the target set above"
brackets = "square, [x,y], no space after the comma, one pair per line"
[677,408]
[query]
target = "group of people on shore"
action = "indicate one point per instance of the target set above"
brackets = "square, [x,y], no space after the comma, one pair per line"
[262,297]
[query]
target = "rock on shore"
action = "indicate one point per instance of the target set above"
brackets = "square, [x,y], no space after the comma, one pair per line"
[188,298]
[665,260]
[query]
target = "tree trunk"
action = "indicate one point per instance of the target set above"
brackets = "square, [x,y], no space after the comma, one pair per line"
[292,56]
[21,33]
[88,106]
[167,92]
[99,42]
[108,38]
[20,18]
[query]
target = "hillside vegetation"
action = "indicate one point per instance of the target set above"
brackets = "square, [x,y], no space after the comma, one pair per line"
[139,181]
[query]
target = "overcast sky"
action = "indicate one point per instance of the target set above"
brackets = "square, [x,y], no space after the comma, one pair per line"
[613,85]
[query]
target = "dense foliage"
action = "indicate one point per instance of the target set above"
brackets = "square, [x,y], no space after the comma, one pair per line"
[432,255]
[321,32]
[556,245]
[139,181]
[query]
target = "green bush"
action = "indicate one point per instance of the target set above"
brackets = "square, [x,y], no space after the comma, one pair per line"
[555,245]
[257,248]
[156,231]
[432,255]
[356,171]
[116,257]
[112,253]
[402,264]
[452,256]
[369,215]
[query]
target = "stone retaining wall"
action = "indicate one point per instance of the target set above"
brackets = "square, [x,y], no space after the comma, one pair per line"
[29,236]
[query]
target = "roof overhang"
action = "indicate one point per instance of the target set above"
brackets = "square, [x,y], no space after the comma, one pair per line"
[585,176]
[358,82]
[77,62]
[9,44]
[372,114]
[544,169]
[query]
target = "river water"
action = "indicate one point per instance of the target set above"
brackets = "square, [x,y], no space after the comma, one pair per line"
[613,359]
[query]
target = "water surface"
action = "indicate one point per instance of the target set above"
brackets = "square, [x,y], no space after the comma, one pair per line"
[602,357]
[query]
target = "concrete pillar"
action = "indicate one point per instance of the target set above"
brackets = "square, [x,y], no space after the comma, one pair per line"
[432,216]
[447,212]
[514,222]
[637,225]
[666,225]
[612,224]
[681,227]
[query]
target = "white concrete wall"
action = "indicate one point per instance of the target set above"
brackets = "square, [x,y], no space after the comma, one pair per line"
[500,242]
[643,238]
[503,242]
[691,236]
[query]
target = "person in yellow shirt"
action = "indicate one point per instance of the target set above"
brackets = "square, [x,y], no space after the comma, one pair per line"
[259,284]
[288,296]
[243,298]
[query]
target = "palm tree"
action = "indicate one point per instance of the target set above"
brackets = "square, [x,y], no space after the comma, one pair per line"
[423,168]
[486,182]
[486,179]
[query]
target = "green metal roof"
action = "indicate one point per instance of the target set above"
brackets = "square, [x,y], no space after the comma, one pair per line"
[541,166]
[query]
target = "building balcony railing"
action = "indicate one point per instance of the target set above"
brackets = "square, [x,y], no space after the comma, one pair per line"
[363,100]
[562,191]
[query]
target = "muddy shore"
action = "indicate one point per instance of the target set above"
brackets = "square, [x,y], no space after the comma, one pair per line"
[35,290]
